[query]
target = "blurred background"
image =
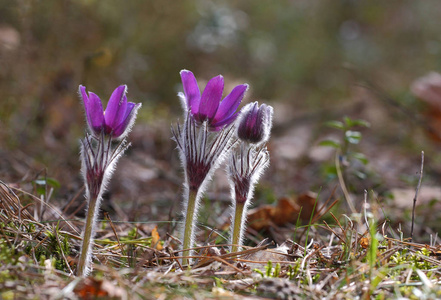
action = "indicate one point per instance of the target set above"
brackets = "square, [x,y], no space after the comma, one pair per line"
[314,61]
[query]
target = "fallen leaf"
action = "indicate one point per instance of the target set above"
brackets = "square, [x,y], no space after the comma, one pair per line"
[307,201]
[286,211]
[91,288]
[285,252]
[260,217]
[428,89]
[155,239]
[364,242]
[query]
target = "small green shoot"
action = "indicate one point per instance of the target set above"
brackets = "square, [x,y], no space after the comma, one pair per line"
[270,271]
[345,154]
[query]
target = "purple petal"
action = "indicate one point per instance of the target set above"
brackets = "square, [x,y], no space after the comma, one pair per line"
[95,113]
[191,90]
[251,118]
[83,94]
[230,104]
[225,122]
[128,119]
[116,108]
[248,121]
[93,109]
[211,98]
[86,101]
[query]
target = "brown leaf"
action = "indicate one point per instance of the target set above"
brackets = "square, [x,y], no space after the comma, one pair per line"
[91,288]
[260,217]
[286,211]
[306,201]
[428,89]
[281,253]
[364,242]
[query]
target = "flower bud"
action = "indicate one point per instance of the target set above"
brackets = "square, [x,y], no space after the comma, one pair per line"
[255,123]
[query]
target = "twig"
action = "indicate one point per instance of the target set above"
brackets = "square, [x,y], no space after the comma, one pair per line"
[416,194]
[106,216]
[342,182]
[366,206]
[319,212]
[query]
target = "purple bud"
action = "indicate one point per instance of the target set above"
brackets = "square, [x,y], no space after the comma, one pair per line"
[255,123]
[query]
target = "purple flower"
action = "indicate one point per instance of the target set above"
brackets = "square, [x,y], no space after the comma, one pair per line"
[255,123]
[209,106]
[119,116]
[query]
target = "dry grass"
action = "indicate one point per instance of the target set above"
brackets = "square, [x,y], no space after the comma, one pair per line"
[346,259]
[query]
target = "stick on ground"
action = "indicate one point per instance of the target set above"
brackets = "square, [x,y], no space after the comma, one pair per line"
[416,194]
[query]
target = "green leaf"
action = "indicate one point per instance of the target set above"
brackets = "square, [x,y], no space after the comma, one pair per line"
[361,157]
[361,123]
[360,175]
[47,181]
[357,122]
[348,122]
[373,247]
[53,182]
[353,137]
[42,183]
[330,143]
[335,124]
[260,272]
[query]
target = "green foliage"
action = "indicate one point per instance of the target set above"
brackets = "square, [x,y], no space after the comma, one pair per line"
[310,220]
[8,252]
[350,161]
[293,270]
[56,246]
[350,136]
[415,260]
[418,262]
[41,185]
[270,271]
[373,245]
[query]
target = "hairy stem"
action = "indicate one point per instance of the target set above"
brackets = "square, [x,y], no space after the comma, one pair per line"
[237,230]
[85,259]
[190,217]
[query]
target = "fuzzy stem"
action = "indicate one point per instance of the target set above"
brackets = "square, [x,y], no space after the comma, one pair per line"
[239,218]
[86,248]
[189,223]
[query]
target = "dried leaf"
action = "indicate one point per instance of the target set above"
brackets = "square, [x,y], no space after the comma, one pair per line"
[91,288]
[306,201]
[286,211]
[364,242]
[428,89]
[260,217]
[155,239]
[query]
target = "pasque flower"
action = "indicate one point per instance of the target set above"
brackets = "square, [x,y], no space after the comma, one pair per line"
[119,116]
[255,123]
[247,163]
[209,106]
[99,155]
[203,141]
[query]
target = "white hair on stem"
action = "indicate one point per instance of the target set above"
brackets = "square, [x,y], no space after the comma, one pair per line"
[98,162]
[244,168]
[201,152]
